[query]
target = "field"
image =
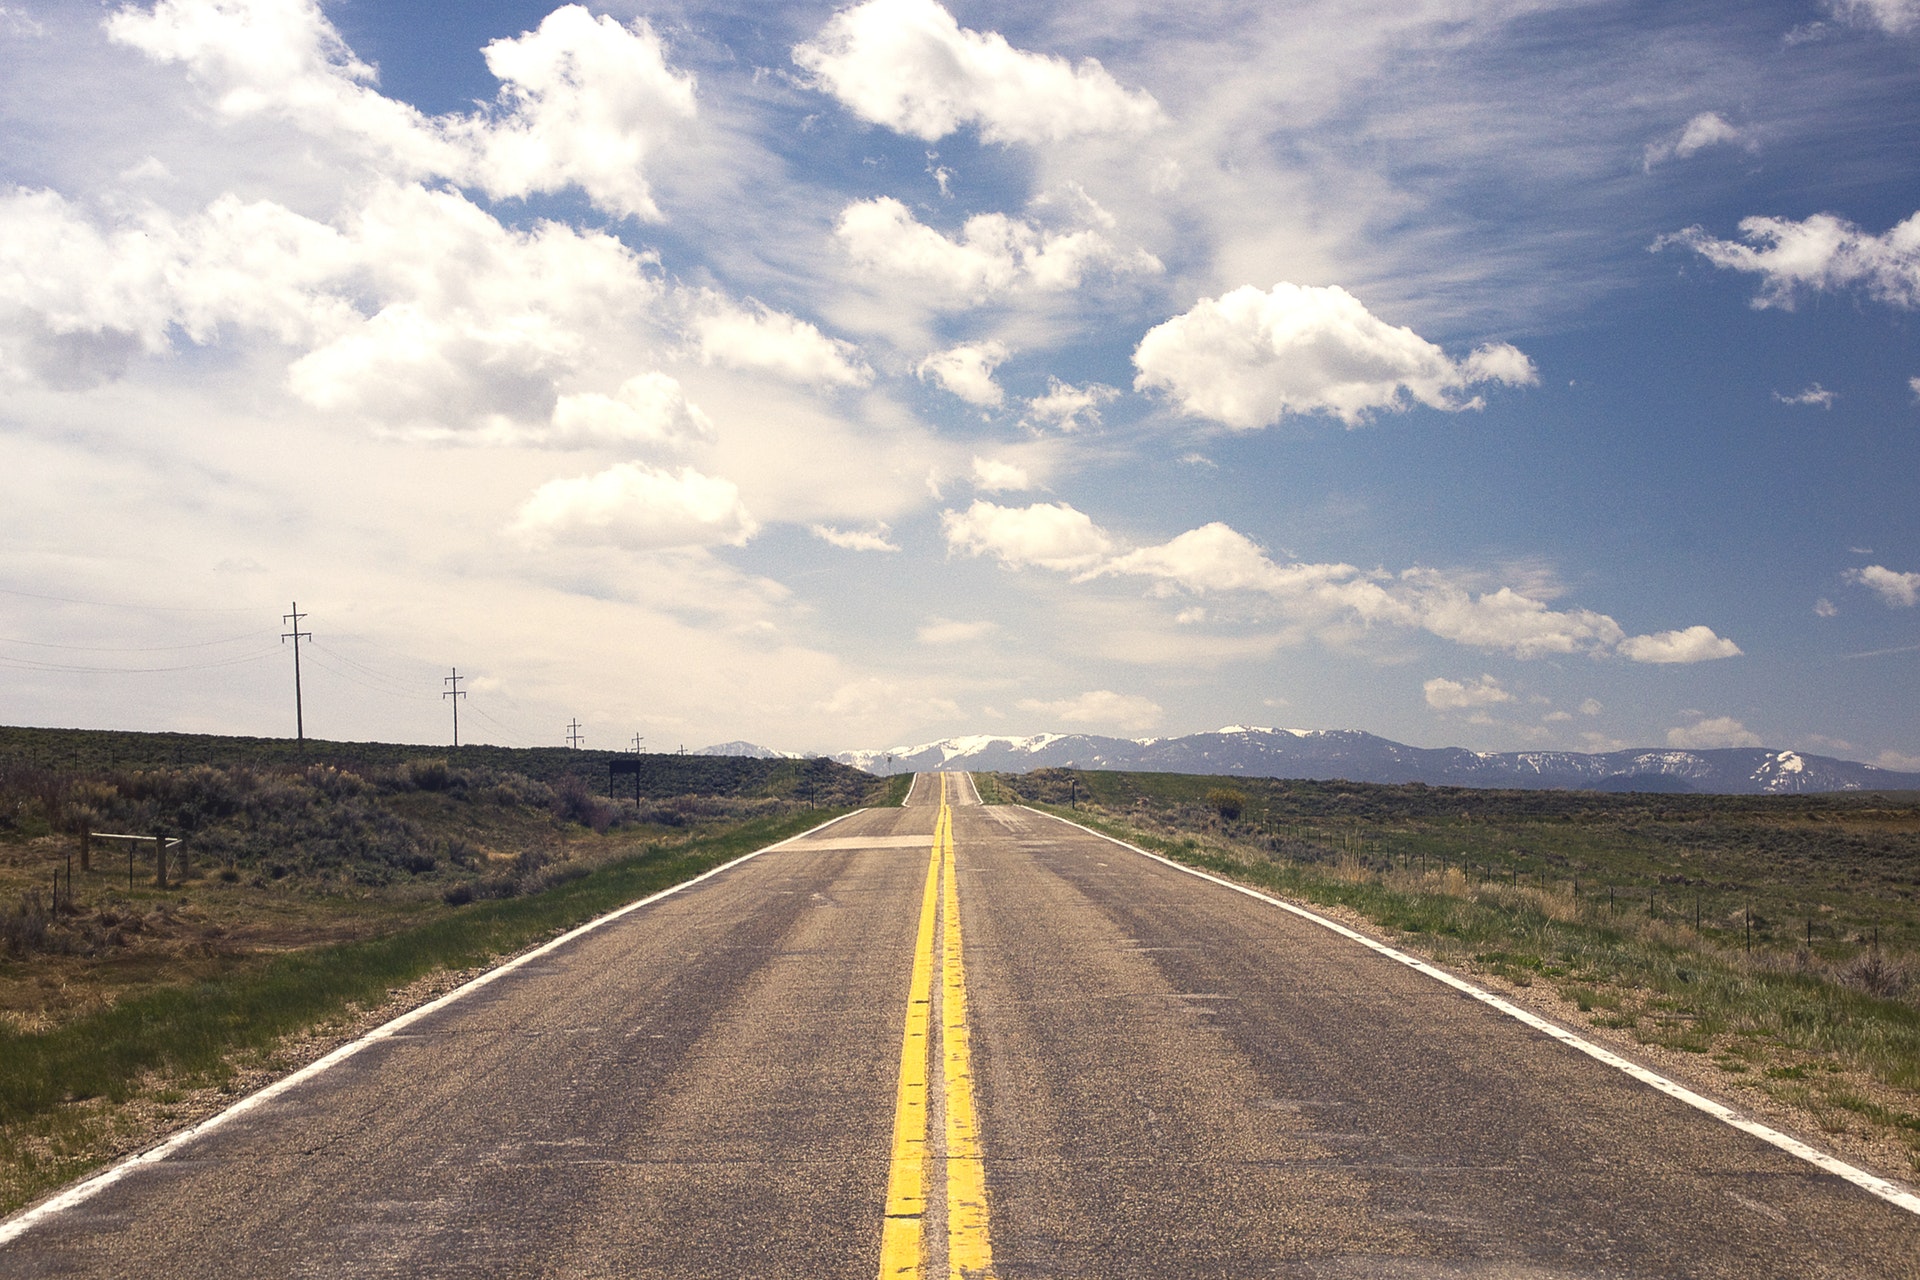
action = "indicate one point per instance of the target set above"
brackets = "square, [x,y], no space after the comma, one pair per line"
[1768,946]
[307,886]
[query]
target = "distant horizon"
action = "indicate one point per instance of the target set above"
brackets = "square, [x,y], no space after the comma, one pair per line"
[911,748]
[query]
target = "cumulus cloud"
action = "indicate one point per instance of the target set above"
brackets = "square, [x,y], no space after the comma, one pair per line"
[1127,712]
[1219,558]
[908,65]
[945,631]
[1815,395]
[415,311]
[1248,358]
[649,409]
[872,539]
[1456,695]
[994,476]
[1066,407]
[1048,534]
[637,508]
[757,337]
[1820,254]
[1895,17]
[1901,590]
[475,325]
[995,254]
[1708,129]
[1714,731]
[967,372]
[583,100]
[1691,644]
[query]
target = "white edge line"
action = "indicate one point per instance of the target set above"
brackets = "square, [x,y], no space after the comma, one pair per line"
[1892,1192]
[81,1192]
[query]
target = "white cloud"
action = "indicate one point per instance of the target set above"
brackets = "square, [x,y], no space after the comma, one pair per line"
[1126,712]
[1825,608]
[637,508]
[417,312]
[583,100]
[1819,254]
[874,539]
[1069,408]
[1051,535]
[1901,590]
[995,254]
[1248,358]
[1895,17]
[1708,129]
[1591,707]
[990,475]
[944,631]
[1716,731]
[967,372]
[1814,395]
[908,65]
[1913,385]
[1900,761]
[757,337]
[476,325]
[1455,695]
[1692,644]
[650,408]
[1216,557]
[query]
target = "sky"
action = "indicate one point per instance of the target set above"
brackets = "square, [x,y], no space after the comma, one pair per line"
[1507,374]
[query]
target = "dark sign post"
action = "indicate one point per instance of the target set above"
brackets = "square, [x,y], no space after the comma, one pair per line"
[616,766]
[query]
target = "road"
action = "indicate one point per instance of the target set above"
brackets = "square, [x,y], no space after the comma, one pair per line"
[982,1041]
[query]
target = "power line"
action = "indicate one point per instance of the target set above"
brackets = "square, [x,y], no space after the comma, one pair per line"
[397,685]
[31,664]
[136,648]
[519,739]
[114,604]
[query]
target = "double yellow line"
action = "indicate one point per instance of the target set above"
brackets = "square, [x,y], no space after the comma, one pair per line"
[903,1246]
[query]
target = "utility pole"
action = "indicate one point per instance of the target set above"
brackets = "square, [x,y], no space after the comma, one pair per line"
[574,736]
[637,740]
[296,635]
[456,693]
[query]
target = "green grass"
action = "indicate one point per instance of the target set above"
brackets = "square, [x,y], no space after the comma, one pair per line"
[192,1035]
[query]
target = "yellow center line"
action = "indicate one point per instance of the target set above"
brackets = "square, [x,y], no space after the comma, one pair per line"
[902,1237]
[901,1245]
[969,1246]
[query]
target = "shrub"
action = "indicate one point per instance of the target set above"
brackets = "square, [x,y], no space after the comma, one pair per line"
[1228,802]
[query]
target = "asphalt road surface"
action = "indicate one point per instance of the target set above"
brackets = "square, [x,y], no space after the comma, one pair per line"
[949,1039]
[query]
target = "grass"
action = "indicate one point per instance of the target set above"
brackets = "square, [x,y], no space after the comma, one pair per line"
[1563,892]
[180,1036]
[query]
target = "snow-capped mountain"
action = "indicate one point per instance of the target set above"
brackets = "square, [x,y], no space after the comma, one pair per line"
[1362,757]
[752,750]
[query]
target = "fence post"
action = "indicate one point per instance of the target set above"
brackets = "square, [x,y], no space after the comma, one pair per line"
[86,848]
[160,857]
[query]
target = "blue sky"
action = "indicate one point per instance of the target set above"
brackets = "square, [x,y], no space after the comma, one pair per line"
[1511,375]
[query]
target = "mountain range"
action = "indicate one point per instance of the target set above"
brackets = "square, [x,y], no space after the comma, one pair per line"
[1362,757]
